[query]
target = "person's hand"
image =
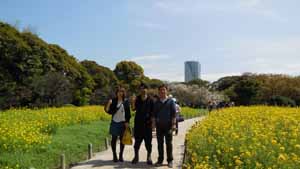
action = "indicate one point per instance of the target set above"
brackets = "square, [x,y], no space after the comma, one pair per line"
[107,106]
[109,102]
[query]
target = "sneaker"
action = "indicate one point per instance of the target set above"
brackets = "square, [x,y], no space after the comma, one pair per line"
[170,164]
[158,163]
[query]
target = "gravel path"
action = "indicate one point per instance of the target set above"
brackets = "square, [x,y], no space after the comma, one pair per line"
[103,160]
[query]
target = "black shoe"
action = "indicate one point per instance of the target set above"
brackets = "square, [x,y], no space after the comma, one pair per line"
[135,160]
[121,159]
[158,163]
[170,164]
[115,159]
[149,160]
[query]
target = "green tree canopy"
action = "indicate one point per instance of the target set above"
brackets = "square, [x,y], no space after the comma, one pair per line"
[24,58]
[127,71]
[105,80]
[199,82]
[130,73]
[102,76]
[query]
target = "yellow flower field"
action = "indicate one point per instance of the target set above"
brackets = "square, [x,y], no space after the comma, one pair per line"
[24,128]
[246,137]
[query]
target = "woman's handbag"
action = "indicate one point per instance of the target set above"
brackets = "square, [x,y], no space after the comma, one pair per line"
[126,139]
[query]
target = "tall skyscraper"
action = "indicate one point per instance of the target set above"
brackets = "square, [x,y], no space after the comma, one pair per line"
[192,70]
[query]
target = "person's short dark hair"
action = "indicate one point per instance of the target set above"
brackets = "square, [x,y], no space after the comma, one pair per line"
[144,85]
[163,86]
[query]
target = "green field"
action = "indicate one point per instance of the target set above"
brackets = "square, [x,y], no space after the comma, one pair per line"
[71,140]
[188,112]
[37,138]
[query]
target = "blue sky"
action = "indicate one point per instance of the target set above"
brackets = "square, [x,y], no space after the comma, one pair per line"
[227,37]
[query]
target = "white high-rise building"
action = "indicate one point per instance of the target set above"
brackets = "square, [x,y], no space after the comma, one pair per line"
[192,70]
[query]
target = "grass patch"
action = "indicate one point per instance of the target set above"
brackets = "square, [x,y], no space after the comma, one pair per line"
[188,112]
[71,140]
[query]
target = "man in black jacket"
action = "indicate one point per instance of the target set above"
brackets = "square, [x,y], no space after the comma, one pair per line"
[143,106]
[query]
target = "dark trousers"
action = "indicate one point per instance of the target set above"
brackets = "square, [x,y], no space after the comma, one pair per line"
[147,137]
[114,146]
[176,127]
[167,135]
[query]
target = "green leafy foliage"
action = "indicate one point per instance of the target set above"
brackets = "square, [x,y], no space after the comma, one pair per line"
[105,81]
[199,82]
[25,63]
[260,89]
[281,101]
[131,75]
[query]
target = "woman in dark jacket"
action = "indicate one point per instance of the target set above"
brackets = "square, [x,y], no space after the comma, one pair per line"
[119,108]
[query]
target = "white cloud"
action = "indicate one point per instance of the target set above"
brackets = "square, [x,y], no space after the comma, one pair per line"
[160,66]
[150,58]
[260,8]
[167,76]
[190,7]
[250,3]
[267,55]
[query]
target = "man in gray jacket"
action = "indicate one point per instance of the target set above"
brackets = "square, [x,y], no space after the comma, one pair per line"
[165,119]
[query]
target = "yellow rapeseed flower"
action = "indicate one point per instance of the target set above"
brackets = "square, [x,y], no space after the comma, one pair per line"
[249,135]
[238,162]
[281,157]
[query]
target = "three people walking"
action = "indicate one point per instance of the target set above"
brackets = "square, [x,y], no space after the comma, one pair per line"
[150,113]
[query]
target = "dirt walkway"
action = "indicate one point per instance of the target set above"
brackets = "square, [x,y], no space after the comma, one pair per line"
[103,160]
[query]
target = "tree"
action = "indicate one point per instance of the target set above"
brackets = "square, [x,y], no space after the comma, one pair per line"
[154,83]
[105,81]
[82,97]
[24,57]
[193,95]
[101,75]
[246,91]
[282,101]
[225,83]
[199,82]
[52,89]
[128,72]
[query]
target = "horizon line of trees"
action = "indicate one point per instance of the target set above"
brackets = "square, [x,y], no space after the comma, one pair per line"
[34,73]
[263,89]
